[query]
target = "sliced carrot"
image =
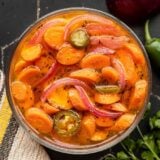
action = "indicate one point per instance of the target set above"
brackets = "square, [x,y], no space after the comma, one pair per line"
[136,53]
[21,64]
[38,119]
[83,136]
[125,97]
[106,98]
[54,37]
[68,55]
[19,90]
[129,66]
[87,129]
[32,53]
[123,122]
[96,61]
[28,101]
[49,109]
[104,122]
[89,124]
[138,95]
[87,74]
[45,62]
[110,74]
[60,99]
[99,136]
[30,75]
[76,100]
[119,107]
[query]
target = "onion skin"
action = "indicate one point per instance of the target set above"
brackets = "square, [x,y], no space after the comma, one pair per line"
[61,82]
[92,108]
[132,11]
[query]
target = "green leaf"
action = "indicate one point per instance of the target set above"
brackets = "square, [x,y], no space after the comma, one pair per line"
[150,141]
[122,156]
[141,144]
[147,155]
[158,114]
[130,144]
[157,123]
[158,144]
[152,122]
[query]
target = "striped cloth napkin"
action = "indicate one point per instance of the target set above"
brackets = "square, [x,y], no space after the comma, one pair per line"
[15,143]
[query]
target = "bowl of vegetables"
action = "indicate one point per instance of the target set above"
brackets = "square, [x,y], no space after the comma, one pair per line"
[78,81]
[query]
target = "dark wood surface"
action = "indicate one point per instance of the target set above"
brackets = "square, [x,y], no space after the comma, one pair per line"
[16,15]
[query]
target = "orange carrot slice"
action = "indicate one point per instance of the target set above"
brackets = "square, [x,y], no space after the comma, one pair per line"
[21,64]
[87,74]
[117,107]
[76,100]
[39,120]
[136,53]
[95,60]
[30,75]
[123,122]
[104,122]
[138,95]
[99,136]
[110,74]
[28,101]
[89,124]
[107,98]
[129,66]
[49,109]
[19,90]
[68,55]
[45,62]
[54,37]
[31,53]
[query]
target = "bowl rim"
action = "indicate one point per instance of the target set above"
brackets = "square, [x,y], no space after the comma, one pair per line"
[99,146]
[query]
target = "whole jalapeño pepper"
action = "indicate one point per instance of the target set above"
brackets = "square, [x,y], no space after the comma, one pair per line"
[152,46]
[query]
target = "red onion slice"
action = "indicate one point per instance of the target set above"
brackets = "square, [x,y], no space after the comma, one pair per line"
[51,73]
[92,108]
[101,49]
[119,67]
[61,82]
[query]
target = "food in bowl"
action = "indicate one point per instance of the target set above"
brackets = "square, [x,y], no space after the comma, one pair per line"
[79,78]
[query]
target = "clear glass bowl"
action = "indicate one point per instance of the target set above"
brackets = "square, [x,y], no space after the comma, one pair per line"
[55,144]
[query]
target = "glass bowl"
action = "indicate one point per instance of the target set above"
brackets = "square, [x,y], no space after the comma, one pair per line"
[56,145]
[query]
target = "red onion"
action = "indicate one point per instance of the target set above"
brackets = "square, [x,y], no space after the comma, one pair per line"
[59,83]
[100,49]
[133,10]
[92,108]
[119,67]
[110,42]
[39,34]
[85,17]
[51,73]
